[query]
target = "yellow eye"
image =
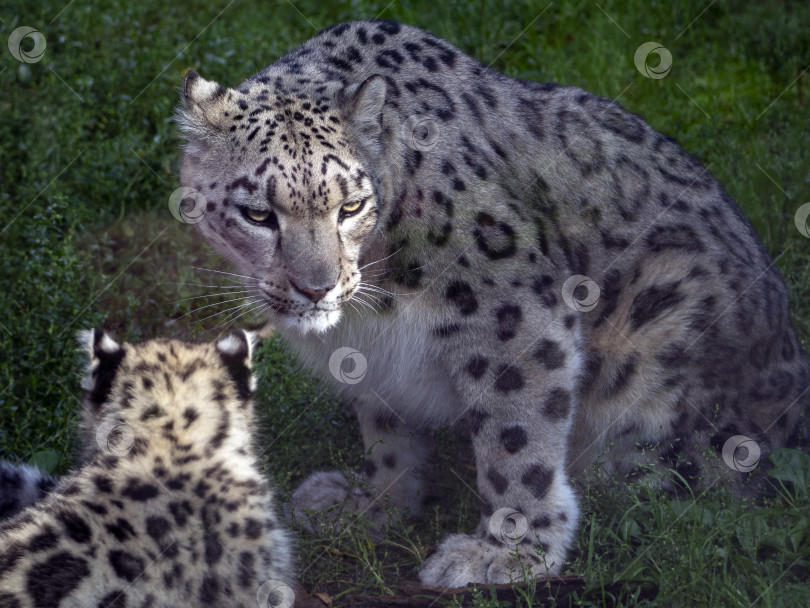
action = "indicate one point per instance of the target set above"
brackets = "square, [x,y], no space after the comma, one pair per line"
[256,215]
[352,207]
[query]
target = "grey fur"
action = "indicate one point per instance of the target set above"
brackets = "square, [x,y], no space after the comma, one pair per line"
[20,486]
[483,196]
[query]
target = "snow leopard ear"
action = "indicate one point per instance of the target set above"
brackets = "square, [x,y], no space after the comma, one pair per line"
[104,358]
[236,352]
[204,104]
[363,103]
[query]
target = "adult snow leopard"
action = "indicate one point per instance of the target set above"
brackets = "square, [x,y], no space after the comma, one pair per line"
[540,261]
[170,508]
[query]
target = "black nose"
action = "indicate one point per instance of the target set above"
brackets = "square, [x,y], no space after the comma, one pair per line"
[314,295]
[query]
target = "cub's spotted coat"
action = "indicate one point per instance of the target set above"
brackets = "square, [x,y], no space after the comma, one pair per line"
[170,508]
[378,166]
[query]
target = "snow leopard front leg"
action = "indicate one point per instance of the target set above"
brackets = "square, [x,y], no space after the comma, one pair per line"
[395,453]
[518,379]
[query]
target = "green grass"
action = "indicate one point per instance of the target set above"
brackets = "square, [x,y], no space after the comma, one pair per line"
[88,159]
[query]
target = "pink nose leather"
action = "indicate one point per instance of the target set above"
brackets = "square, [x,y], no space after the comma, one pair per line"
[314,295]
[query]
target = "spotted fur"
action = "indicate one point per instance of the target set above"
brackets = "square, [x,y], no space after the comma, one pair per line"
[378,166]
[170,508]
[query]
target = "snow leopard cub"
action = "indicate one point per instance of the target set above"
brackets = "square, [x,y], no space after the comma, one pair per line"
[541,263]
[170,508]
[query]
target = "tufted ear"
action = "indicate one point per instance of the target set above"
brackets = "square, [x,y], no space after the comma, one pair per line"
[363,103]
[204,103]
[104,357]
[236,352]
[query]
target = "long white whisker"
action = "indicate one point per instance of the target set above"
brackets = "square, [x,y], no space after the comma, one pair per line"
[233,274]
[246,303]
[373,303]
[375,274]
[381,260]
[354,308]
[373,296]
[359,311]
[224,311]
[250,307]
[422,267]
[394,294]
[366,304]
[364,288]
[375,286]
[378,289]
[363,305]
[224,322]
[210,305]
[202,285]
[213,295]
[262,310]
[258,307]
[232,281]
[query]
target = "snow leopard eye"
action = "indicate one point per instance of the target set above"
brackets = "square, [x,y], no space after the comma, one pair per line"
[349,209]
[257,216]
[264,217]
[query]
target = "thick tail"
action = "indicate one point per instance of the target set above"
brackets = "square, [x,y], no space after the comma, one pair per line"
[20,486]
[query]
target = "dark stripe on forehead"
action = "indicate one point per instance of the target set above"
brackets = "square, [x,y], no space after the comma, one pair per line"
[330,158]
[344,186]
[261,168]
[244,182]
[271,190]
[358,178]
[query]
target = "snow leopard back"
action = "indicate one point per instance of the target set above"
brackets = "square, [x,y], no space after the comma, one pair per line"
[170,508]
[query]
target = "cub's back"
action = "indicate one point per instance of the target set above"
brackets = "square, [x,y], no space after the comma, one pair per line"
[170,508]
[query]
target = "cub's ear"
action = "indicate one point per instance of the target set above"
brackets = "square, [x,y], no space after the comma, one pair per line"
[363,103]
[201,115]
[236,352]
[104,357]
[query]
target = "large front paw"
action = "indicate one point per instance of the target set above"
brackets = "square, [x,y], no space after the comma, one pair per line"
[327,502]
[462,559]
